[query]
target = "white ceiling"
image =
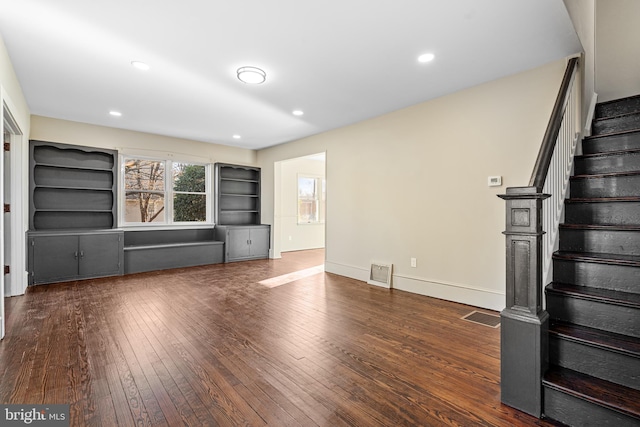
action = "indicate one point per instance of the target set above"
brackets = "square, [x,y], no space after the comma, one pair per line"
[340,61]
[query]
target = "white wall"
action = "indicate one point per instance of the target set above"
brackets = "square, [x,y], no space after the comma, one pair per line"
[294,236]
[617,49]
[413,183]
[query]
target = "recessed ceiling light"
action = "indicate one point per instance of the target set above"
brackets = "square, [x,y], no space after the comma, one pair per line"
[297,112]
[115,113]
[140,65]
[251,75]
[426,57]
[236,137]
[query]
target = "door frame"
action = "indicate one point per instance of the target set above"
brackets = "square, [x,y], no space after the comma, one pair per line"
[17,283]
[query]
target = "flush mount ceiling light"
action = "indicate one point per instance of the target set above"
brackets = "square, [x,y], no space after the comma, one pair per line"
[251,75]
[297,112]
[236,136]
[140,65]
[426,57]
[115,113]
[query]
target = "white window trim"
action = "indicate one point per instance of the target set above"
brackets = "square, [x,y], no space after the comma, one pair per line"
[169,160]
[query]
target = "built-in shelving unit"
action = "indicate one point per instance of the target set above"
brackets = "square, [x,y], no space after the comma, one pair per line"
[72,213]
[237,195]
[237,213]
[72,187]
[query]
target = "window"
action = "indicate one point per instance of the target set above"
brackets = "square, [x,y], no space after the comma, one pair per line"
[311,199]
[150,196]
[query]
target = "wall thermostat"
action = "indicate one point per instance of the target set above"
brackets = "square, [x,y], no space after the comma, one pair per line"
[495,181]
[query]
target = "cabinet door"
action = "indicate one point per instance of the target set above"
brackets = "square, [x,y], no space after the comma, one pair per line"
[100,254]
[238,243]
[54,258]
[260,241]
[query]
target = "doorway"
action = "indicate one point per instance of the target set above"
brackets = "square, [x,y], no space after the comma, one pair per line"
[300,203]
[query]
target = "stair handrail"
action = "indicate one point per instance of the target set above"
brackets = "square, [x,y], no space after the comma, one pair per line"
[532,219]
[541,167]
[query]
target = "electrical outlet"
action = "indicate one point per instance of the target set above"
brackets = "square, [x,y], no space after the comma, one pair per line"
[414,262]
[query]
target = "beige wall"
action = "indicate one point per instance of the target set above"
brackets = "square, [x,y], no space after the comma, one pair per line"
[583,16]
[617,49]
[294,236]
[11,90]
[413,183]
[55,130]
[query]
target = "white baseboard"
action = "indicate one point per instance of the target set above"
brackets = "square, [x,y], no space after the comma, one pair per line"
[463,294]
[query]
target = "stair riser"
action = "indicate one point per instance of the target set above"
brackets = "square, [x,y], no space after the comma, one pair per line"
[601,241]
[605,276]
[629,141]
[617,108]
[577,412]
[603,213]
[627,162]
[598,362]
[594,314]
[612,186]
[616,124]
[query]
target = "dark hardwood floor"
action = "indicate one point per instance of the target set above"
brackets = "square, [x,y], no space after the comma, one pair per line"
[212,346]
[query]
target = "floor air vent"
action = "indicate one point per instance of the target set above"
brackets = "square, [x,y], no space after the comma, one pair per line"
[486,319]
[380,274]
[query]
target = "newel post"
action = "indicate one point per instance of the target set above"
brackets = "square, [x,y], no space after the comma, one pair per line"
[524,324]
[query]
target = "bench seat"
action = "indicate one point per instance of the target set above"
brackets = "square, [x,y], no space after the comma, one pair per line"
[163,249]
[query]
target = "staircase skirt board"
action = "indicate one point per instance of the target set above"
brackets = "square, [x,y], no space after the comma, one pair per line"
[619,161]
[593,360]
[596,274]
[611,185]
[608,240]
[629,140]
[601,314]
[574,411]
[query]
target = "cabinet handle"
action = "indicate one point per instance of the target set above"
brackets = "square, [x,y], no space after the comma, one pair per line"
[75,254]
[81,254]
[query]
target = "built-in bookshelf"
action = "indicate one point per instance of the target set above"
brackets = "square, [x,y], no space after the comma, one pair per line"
[237,195]
[72,187]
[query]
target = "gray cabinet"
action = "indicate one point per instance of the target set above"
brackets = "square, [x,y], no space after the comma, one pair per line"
[244,242]
[58,257]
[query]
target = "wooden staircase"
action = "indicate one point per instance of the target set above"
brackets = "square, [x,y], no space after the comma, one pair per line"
[594,300]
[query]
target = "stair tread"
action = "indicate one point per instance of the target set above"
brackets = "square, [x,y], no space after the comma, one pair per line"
[615,101]
[608,154]
[609,227]
[603,199]
[607,135]
[605,175]
[596,337]
[616,117]
[598,391]
[605,258]
[608,296]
